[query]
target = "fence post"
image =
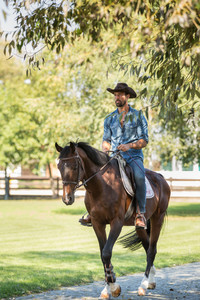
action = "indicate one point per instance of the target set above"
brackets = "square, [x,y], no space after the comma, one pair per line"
[57,186]
[7,187]
[171,180]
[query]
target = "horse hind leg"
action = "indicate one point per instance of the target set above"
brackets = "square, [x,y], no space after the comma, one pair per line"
[149,277]
[144,237]
[147,282]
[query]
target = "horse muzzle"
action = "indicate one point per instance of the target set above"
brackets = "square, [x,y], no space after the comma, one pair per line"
[68,199]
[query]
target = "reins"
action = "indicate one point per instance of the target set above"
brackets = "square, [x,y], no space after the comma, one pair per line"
[84,183]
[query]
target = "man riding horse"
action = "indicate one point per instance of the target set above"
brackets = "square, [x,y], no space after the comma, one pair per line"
[126,130]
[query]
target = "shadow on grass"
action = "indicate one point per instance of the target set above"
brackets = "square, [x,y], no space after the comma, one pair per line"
[47,270]
[187,210]
[70,211]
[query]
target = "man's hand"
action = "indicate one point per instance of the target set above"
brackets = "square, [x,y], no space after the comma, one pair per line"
[124,147]
[106,146]
[136,145]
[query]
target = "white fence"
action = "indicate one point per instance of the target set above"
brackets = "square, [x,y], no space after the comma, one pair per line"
[184,186]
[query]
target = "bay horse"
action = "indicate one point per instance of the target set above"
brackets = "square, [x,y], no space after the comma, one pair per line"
[107,202]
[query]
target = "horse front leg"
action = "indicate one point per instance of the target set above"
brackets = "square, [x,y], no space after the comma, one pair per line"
[101,236]
[111,286]
[100,231]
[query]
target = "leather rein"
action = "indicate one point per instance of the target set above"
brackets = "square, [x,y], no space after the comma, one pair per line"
[78,163]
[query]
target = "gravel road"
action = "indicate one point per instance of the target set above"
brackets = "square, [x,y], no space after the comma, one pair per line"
[182,282]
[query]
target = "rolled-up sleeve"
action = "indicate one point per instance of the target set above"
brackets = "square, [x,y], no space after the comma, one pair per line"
[107,131]
[143,128]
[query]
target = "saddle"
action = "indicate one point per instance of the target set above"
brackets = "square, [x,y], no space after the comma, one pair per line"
[127,176]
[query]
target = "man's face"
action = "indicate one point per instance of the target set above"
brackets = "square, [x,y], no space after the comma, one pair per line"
[120,99]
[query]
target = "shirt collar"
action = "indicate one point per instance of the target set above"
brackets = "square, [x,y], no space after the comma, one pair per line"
[130,110]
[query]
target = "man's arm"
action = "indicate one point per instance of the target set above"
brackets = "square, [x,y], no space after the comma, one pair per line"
[105,146]
[137,145]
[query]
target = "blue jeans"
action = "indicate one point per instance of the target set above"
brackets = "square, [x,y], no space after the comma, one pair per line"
[136,163]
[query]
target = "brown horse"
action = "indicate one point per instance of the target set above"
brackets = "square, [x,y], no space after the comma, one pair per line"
[107,202]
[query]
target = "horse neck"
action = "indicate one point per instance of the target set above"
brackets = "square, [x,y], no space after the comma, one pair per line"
[88,166]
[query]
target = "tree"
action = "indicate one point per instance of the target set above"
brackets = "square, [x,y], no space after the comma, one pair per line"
[61,102]
[156,40]
[10,75]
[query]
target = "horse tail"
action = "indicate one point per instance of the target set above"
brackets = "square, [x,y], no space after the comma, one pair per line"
[131,240]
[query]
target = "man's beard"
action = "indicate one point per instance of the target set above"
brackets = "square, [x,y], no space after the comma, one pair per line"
[120,103]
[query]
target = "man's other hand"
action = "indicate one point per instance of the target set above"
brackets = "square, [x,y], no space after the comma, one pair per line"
[124,147]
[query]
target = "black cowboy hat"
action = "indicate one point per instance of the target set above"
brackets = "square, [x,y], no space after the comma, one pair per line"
[123,87]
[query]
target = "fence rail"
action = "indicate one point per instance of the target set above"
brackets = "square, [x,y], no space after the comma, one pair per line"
[186,183]
[35,186]
[25,184]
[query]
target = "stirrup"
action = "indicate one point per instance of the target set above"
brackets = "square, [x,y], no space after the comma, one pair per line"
[84,221]
[142,218]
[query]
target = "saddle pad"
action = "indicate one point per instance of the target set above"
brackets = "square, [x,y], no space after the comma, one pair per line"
[127,183]
[149,190]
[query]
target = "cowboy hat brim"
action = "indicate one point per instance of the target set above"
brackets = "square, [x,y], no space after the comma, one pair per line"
[126,90]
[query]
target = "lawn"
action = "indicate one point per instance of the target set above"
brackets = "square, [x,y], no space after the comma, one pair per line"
[43,247]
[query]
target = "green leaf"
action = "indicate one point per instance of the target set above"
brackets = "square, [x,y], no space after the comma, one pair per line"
[147,113]
[197,93]
[144,91]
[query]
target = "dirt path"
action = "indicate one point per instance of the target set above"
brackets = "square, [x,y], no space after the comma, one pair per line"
[172,283]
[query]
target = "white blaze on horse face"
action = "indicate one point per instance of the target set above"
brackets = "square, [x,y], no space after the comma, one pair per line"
[57,160]
[67,190]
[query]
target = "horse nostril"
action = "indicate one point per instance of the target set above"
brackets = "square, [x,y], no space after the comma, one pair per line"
[68,199]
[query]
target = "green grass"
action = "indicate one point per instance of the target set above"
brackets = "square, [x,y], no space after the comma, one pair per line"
[43,247]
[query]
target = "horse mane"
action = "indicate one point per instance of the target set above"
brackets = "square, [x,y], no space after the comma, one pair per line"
[99,158]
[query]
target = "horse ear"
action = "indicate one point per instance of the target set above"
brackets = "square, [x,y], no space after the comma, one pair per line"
[72,146]
[58,148]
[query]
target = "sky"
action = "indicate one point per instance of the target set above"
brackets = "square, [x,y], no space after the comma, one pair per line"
[9,23]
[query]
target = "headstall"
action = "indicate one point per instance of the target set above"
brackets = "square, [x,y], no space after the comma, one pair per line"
[77,158]
[78,161]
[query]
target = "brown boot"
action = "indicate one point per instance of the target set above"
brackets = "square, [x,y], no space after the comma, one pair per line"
[140,221]
[86,221]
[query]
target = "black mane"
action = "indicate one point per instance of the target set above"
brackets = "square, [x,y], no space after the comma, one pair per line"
[99,158]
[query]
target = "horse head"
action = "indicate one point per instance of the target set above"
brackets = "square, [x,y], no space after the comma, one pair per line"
[70,167]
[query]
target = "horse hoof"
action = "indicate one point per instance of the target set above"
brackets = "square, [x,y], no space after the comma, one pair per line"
[141,291]
[152,286]
[104,294]
[115,290]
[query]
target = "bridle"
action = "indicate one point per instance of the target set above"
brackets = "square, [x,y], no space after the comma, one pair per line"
[78,163]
